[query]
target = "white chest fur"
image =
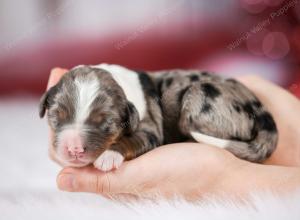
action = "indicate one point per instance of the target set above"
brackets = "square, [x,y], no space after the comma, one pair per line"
[130,83]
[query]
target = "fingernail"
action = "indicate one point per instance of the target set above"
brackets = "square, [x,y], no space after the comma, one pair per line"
[66,182]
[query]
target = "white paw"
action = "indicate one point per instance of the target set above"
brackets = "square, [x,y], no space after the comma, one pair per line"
[109,160]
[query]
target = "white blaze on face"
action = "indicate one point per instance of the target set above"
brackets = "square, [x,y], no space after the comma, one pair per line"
[87,90]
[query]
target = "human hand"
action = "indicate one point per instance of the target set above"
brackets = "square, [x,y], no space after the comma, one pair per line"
[188,176]
[190,170]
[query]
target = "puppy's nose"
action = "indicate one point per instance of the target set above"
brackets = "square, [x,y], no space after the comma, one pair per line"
[76,150]
[72,143]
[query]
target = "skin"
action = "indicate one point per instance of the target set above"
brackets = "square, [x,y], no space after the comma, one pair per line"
[194,170]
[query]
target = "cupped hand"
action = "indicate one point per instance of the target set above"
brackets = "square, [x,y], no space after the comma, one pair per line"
[189,169]
[285,109]
[186,169]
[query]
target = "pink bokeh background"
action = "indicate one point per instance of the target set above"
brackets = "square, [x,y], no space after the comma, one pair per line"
[231,37]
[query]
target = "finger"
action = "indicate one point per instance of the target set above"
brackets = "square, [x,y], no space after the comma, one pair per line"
[265,89]
[89,179]
[55,76]
[268,92]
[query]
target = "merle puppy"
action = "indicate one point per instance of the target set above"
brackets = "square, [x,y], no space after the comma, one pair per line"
[106,114]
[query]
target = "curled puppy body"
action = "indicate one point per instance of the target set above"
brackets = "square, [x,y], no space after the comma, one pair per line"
[106,114]
[216,111]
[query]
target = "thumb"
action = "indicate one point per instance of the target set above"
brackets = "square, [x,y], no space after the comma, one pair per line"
[89,179]
[264,90]
[86,180]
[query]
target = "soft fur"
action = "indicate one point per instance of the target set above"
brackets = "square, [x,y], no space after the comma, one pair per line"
[58,205]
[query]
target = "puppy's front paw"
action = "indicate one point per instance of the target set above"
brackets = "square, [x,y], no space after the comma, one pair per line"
[109,160]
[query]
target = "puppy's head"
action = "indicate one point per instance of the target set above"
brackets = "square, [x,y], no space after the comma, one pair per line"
[87,111]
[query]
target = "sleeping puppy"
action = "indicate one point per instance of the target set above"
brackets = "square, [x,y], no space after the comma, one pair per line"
[106,114]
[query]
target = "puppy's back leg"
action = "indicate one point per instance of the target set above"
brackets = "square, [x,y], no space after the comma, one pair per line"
[212,118]
[194,105]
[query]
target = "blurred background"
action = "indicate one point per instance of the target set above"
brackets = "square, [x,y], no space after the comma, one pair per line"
[231,37]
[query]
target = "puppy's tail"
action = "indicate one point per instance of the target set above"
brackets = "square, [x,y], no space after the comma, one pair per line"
[256,150]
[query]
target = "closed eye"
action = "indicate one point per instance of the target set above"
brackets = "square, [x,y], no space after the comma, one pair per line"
[105,125]
[61,114]
[96,117]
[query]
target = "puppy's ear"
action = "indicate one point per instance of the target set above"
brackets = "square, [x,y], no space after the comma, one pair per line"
[131,120]
[46,99]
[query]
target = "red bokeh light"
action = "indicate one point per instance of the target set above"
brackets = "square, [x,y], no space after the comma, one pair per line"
[276,45]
